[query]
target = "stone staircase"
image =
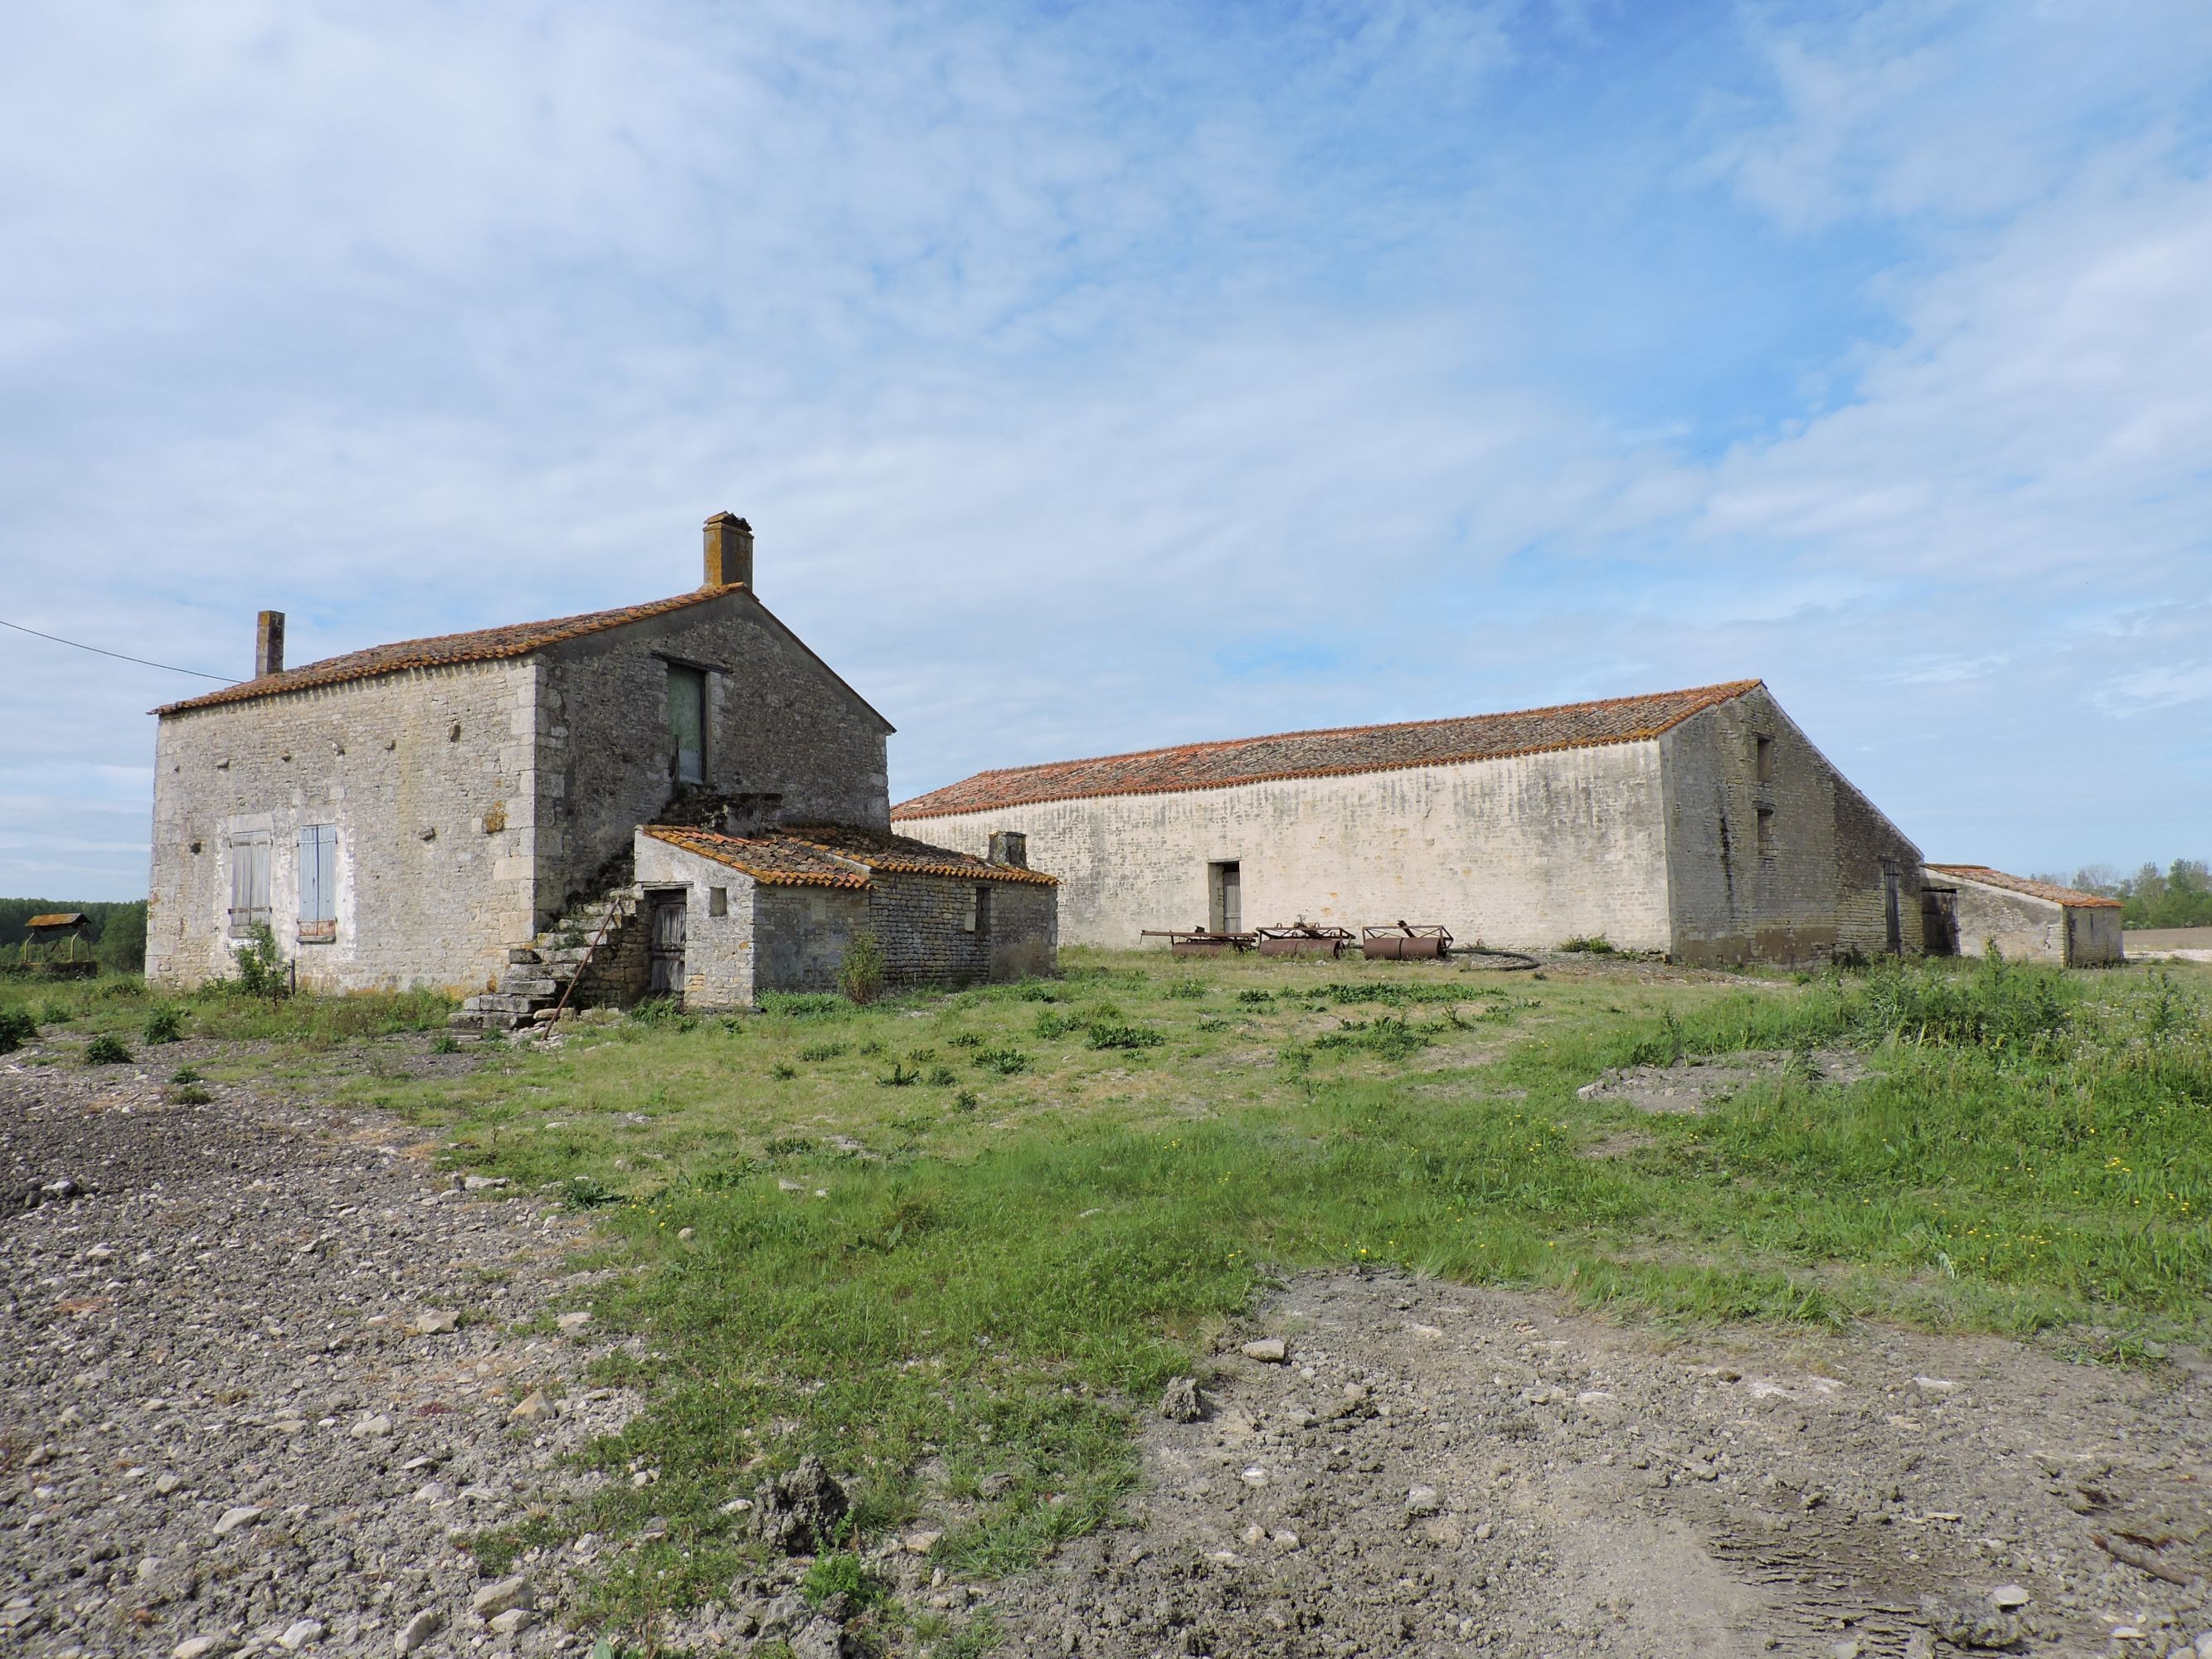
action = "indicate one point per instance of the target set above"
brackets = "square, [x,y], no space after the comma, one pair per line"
[537,973]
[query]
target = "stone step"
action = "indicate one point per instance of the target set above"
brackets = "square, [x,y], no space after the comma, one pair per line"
[515,984]
[498,1002]
[521,954]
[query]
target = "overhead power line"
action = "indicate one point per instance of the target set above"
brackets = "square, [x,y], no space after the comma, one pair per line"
[118,655]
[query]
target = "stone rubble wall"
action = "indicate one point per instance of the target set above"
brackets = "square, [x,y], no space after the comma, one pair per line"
[778,721]
[1820,887]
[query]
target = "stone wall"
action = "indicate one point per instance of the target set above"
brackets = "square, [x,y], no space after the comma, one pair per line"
[1529,851]
[2095,937]
[778,721]
[776,937]
[922,924]
[1812,881]
[2024,927]
[428,777]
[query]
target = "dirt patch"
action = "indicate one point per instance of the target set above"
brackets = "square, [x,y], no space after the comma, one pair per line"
[1435,1470]
[1692,1084]
[222,1411]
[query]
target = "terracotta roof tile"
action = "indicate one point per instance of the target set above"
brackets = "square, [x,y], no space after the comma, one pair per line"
[776,860]
[2072,897]
[880,850]
[1331,753]
[445,650]
[827,855]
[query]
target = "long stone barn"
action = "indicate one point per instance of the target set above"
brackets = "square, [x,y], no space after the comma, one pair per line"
[1702,824]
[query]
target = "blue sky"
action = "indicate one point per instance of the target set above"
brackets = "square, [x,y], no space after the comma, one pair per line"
[1107,376]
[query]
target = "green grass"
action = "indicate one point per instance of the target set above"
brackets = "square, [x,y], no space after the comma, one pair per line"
[121,1005]
[988,1280]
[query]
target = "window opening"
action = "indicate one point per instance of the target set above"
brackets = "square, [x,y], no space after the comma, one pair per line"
[1766,832]
[1763,758]
[318,882]
[687,722]
[1224,884]
[718,901]
[249,881]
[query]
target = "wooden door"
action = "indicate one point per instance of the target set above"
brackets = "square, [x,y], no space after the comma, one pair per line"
[1233,899]
[668,945]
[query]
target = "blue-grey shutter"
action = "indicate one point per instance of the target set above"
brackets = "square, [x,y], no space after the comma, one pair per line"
[318,873]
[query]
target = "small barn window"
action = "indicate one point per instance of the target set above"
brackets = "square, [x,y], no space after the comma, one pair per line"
[718,901]
[249,881]
[1766,832]
[318,882]
[1762,758]
[975,915]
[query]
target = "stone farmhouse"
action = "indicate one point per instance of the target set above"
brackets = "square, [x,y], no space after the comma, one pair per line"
[465,813]
[1971,907]
[1702,824]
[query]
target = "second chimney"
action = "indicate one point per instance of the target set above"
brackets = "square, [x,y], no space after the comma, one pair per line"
[729,550]
[268,644]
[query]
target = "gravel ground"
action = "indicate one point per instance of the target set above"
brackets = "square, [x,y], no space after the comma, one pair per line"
[232,1418]
[1435,1470]
[235,1418]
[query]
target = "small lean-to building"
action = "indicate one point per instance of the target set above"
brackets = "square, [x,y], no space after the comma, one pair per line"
[1971,907]
[1702,824]
[731,916]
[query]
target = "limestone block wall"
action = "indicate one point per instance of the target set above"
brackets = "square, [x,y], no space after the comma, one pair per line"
[428,777]
[777,720]
[1809,880]
[718,950]
[1529,851]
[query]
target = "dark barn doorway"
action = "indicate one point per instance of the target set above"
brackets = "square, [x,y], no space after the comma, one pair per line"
[666,946]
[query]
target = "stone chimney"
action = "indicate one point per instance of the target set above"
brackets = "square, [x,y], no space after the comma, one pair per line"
[729,550]
[268,644]
[1010,847]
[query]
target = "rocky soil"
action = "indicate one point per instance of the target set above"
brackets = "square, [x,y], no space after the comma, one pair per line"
[1432,1470]
[260,1367]
[262,1370]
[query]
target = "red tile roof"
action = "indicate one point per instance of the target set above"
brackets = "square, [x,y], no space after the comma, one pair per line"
[2072,897]
[824,855]
[444,650]
[1335,752]
[880,850]
[773,859]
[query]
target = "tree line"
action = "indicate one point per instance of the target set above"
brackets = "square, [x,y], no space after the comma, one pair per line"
[119,930]
[2179,896]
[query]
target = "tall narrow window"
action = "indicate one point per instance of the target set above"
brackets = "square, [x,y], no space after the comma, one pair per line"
[1763,759]
[249,881]
[318,882]
[1766,832]
[687,722]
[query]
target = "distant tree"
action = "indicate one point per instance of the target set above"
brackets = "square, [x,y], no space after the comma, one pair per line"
[123,940]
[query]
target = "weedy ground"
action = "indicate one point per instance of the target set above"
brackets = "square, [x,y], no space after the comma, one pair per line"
[945,1242]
